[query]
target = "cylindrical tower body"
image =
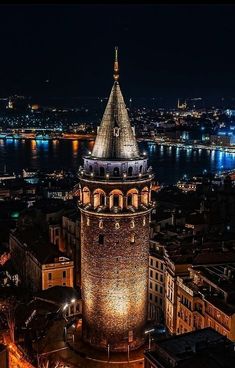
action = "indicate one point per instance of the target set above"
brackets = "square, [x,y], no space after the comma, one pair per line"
[115,215]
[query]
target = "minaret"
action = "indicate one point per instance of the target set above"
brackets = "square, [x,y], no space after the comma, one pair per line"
[115,204]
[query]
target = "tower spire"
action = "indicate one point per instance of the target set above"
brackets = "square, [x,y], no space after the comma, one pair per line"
[116,67]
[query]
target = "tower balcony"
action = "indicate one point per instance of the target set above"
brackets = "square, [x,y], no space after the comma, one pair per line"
[113,170]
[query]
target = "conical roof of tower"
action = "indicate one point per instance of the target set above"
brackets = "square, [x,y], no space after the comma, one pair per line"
[115,138]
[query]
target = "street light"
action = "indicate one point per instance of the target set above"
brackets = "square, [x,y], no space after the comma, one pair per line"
[149,332]
[73,300]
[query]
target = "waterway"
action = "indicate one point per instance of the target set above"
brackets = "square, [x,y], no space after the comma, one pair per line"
[169,163]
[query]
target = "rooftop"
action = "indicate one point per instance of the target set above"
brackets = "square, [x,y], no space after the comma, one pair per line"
[115,137]
[38,245]
[206,348]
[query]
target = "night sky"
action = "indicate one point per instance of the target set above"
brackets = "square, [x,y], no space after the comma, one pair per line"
[165,50]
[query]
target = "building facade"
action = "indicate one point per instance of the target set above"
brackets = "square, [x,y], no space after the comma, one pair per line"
[115,204]
[156,297]
[207,299]
[39,268]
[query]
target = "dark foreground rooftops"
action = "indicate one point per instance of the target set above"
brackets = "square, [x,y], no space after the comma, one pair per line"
[203,348]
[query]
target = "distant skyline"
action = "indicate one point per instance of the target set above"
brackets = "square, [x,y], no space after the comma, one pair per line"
[164,50]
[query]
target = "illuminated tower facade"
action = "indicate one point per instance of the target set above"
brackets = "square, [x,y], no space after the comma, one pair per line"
[115,204]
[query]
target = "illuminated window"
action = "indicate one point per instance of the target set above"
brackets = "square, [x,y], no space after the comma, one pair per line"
[101,239]
[132,238]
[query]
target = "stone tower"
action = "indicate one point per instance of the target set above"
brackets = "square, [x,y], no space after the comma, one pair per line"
[115,187]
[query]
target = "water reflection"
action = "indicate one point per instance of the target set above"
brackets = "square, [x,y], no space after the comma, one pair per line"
[169,163]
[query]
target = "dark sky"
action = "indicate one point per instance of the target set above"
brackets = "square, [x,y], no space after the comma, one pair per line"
[165,50]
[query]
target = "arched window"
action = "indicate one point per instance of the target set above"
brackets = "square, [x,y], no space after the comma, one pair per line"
[116,171]
[102,199]
[129,200]
[116,199]
[99,198]
[130,171]
[90,168]
[86,195]
[141,168]
[132,198]
[145,196]
[101,171]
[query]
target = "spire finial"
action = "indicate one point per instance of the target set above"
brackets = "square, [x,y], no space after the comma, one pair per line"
[116,68]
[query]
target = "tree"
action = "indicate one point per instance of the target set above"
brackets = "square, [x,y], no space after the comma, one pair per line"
[47,362]
[8,311]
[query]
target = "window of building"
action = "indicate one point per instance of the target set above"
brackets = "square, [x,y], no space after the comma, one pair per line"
[64,274]
[156,299]
[64,283]
[116,171]
[156,287]
[129,200]
[150,285]
[151,273]
[130,171]
[101,171]
[151,296]
[132,238]
[49,276]
[156,264]
[161,290]
[156,276]
[116,200]
[160,301]
[102,199]
[161,278]
[151,261]
[101,239]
